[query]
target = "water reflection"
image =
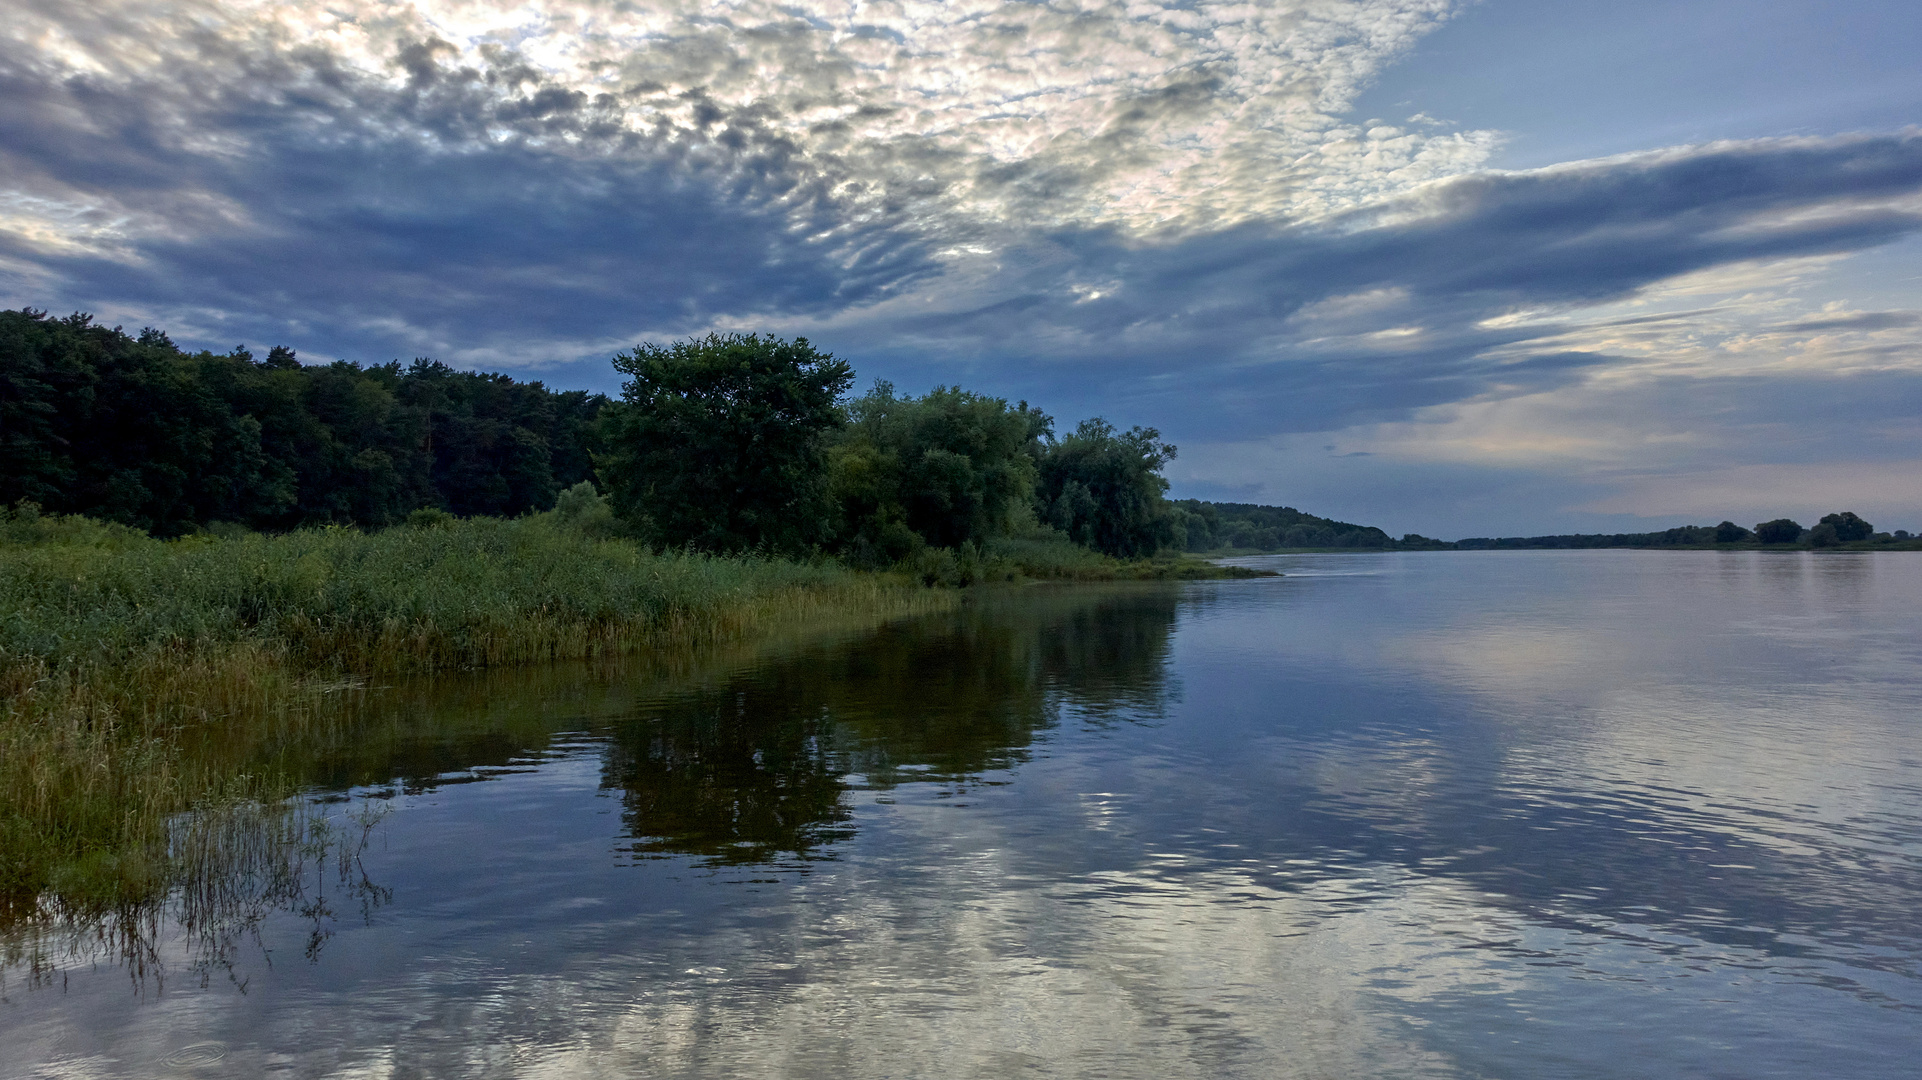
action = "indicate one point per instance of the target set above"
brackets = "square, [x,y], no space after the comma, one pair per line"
[1576,814]
[230,871]
[757,764]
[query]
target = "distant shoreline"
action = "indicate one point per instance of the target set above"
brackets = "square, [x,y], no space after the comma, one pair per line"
[1866,546]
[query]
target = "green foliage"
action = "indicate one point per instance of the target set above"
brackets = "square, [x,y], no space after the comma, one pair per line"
[718,443]
[119,651]
[585,509]
[1104,487]
[1779,531]
[430,517]
[947,469]
[132,430]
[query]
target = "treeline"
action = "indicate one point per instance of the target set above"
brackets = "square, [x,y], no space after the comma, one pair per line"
[1212,526]
[1842,528]
[131,429]
[728,443]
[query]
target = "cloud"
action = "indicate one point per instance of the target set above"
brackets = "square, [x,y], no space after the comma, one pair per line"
[1371,315]
[1160,212]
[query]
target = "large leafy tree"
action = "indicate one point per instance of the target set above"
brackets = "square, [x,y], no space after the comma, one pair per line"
[944,469]
[719,442]
[1104,488]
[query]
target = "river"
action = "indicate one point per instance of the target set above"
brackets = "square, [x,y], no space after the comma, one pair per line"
[1503,814]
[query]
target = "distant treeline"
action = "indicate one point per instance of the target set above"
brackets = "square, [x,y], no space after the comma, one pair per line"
[1213,526]
[1832,530]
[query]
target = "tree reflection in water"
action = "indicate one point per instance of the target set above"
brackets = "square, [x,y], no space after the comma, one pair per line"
[755,765]
[733,758]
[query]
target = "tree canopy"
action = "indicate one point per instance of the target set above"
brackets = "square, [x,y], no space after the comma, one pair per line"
[719,442]
[1104,488]
[946,469]
[134,430]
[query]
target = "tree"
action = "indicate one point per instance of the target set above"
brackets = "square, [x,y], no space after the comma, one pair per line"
[1779,531]
[946,469]
[1848,527]
[718,442]
[1104,489]
[1729,532]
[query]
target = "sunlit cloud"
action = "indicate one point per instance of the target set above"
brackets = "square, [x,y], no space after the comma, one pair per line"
[1168,213]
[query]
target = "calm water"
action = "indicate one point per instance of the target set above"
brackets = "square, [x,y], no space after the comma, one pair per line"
[1505,814]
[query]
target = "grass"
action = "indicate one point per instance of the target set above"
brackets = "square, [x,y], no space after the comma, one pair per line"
[143,678]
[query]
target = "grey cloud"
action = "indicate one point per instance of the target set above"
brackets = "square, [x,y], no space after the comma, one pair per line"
[1222,309]
[473,206]
[1866,320]
[468,208]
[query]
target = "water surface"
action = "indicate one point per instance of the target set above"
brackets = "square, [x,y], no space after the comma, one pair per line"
[1511,814]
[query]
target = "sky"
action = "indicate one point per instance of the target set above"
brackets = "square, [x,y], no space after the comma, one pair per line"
[1455,268]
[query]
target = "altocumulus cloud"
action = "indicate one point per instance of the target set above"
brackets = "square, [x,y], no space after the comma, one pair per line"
[1161,211]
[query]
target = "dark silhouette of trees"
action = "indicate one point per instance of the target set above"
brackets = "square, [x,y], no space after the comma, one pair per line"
[719,443]
[131,429]
[1212,526]
[1779,531]
[1848,527]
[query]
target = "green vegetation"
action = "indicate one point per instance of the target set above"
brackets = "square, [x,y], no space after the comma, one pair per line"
[1211,527]
[946,470]
[133,430]
[144,677]
[717,443]
[725,444]
[155,651]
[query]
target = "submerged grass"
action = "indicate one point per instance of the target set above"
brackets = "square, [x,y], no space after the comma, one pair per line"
[144,678]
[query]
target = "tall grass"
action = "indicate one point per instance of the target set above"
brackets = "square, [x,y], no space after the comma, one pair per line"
[142,678]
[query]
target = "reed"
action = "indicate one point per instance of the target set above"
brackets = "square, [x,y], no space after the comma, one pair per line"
[144,678]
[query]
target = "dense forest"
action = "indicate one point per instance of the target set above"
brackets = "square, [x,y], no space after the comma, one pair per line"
[132,430]
[1212,526]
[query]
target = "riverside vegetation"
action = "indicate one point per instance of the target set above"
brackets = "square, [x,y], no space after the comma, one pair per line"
[230,549]
[145,677]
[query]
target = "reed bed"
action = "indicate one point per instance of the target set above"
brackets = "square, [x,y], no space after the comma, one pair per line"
[144,678]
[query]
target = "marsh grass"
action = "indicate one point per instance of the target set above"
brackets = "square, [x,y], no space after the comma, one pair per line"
[143,679]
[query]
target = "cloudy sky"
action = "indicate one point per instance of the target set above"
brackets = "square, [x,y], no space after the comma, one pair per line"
[1454,268]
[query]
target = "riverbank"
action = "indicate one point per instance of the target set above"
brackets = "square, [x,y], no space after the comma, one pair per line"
[143,677]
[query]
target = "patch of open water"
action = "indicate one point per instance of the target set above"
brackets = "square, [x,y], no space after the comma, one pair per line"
[1583,814]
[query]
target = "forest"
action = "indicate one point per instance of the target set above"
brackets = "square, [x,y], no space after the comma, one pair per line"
[725,444]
